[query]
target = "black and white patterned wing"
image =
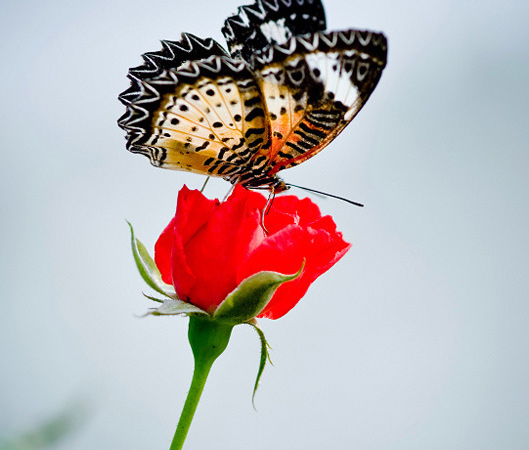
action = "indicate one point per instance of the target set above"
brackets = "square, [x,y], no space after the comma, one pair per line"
[313,86]
[173,55]
[204,116]
[271,22]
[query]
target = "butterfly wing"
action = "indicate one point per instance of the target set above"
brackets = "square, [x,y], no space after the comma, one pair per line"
[206,116]
[286,92]
[313,86]
[271,22]
[173,55]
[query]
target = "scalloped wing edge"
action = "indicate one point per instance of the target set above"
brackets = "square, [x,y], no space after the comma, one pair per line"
[137,118]
[280,19]
[352,39]
[173,55]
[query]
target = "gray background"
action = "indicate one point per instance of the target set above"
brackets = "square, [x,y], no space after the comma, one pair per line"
[417,339]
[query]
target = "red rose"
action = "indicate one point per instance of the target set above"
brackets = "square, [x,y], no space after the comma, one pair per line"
[209,247]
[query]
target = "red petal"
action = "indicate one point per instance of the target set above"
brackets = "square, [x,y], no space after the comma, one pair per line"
[162,252]
[209,248]
[275,220]
[193,211]
[183,277]
[217,249]
[283,252]
[305,209]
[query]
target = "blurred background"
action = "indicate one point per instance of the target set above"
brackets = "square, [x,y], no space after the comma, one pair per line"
[417,339]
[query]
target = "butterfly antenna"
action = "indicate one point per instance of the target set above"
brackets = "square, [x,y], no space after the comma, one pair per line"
[326,194]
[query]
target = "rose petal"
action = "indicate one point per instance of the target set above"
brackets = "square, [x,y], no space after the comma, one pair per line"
[304,209]
[210,247]
[275,220]
[193,211]
[281,252]
[184,277]
[284,251]
[217,249]
[162,252]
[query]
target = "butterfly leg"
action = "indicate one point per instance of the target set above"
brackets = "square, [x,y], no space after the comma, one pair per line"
[267,207]
[228,193]
[204,185]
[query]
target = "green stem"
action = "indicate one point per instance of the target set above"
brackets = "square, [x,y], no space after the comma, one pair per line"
[200,376]
[208,340]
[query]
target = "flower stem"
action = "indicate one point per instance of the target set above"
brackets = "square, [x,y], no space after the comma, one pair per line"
[208,340]
[200,376]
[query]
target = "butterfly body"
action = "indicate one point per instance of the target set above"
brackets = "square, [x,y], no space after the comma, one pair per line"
[287,89]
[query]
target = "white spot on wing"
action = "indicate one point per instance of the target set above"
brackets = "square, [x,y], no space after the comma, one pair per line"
[275,31]
[335,79]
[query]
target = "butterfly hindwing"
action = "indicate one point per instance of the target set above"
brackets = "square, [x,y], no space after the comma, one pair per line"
[313,86]
[206,117]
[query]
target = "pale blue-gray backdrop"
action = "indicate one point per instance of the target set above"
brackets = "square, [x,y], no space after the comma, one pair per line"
[417,339]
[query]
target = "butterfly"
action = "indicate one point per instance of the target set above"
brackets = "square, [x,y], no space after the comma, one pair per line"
[284,91]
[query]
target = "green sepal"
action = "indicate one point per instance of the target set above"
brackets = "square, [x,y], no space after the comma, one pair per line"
[251,296]
[172,307]
[265,356]
[154,299]
[147,267]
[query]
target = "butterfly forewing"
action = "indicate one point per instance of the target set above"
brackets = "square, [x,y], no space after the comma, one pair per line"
[313,86]
[209,118]
[271,22]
